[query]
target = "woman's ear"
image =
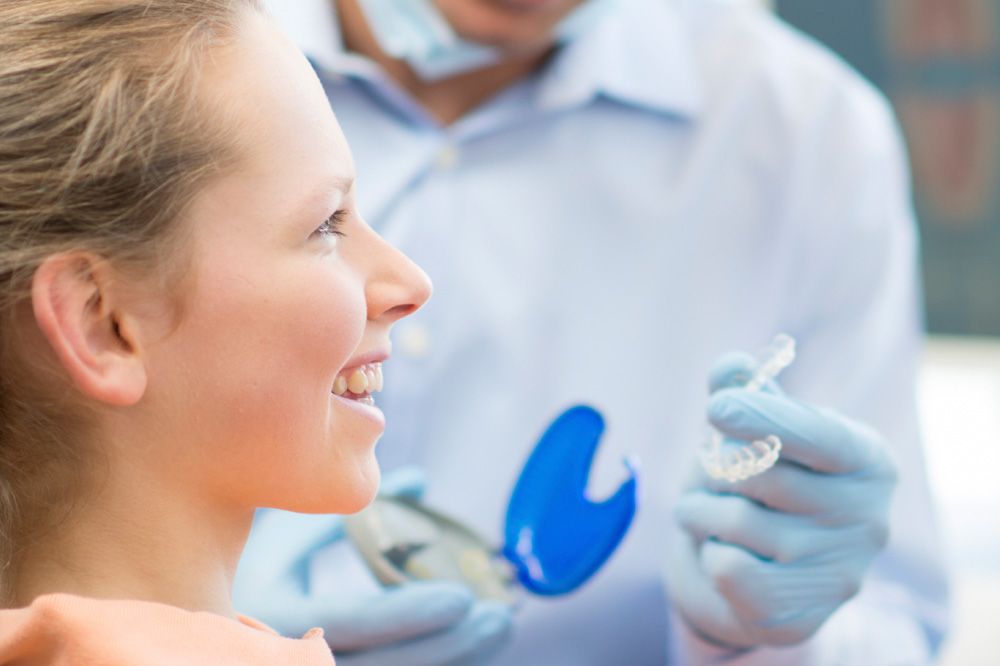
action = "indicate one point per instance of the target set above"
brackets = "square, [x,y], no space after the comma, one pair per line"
[91,334]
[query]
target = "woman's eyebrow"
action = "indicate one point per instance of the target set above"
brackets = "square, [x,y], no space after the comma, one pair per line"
[322,196]
[343,183]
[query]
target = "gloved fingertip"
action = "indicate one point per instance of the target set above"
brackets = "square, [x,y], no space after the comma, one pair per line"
[448,611]
[407,612]
[496,611]
[439,598]
[725,405]
[730,370]
[721,562]
[494,622]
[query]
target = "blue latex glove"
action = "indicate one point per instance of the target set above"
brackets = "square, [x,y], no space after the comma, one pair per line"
[767,560]
[417,624]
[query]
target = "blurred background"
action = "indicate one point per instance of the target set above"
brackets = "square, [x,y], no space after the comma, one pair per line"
[939,63]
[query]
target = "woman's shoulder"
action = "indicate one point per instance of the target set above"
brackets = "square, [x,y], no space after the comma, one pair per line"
[63,629]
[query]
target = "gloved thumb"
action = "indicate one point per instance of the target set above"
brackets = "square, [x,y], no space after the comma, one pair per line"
[397,614]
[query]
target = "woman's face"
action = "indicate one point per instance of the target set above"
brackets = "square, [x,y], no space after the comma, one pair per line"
[279,309]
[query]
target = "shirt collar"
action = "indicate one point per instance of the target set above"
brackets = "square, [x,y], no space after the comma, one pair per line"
[640,55]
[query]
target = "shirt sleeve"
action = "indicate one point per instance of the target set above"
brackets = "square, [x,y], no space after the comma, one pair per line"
[854,307]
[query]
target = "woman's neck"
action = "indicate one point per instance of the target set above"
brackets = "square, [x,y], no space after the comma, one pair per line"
[139,540]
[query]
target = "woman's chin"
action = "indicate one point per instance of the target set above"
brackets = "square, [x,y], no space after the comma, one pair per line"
[353,492]
[363,494]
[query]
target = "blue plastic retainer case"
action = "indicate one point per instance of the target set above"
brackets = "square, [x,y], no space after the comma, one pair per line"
[555,537]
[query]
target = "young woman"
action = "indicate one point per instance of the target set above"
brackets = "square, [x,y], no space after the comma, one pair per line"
[193,318]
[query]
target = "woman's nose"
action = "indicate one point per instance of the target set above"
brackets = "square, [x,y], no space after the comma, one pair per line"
[397,287]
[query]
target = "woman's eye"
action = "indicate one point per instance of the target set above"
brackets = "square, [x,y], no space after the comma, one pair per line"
[332,225]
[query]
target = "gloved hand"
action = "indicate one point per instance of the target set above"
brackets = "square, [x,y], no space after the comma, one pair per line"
[417,624]
[767,560]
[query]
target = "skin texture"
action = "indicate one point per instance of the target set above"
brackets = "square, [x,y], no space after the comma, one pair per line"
[217,400]
[521,28]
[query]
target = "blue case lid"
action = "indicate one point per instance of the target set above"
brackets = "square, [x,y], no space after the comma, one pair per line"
[556,537]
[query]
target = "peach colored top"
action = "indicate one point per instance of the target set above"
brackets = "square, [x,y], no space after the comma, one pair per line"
[64,630]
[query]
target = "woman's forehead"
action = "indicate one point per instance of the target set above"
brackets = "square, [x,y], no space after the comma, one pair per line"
[272,101]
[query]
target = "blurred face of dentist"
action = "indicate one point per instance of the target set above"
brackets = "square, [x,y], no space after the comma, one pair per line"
[513,26]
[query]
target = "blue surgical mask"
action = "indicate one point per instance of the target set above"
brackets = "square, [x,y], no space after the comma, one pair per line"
[415,31]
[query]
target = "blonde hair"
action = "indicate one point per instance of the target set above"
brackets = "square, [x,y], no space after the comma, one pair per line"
[102,145]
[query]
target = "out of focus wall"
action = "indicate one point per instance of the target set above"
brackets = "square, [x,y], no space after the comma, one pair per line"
[939,62]
[959,393]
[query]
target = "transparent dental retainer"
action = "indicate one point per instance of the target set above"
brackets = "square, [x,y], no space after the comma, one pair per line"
[555,537]
[725,461]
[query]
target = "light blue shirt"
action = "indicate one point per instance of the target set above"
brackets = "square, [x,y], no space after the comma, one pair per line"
[686,179]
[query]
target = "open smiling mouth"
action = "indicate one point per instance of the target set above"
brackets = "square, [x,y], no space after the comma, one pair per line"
[359,383]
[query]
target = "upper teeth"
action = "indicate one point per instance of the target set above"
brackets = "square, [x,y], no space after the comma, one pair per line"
[360,381]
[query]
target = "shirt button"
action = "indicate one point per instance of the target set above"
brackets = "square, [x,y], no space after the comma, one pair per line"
[414,340]
[447,158]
